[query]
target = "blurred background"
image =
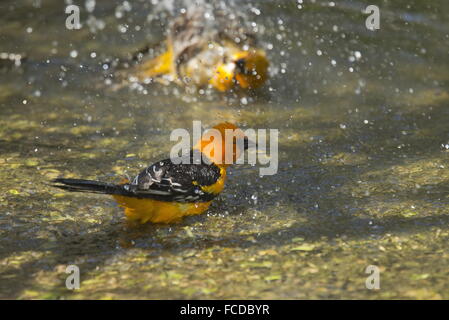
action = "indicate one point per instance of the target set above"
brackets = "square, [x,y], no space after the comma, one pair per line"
[363,155]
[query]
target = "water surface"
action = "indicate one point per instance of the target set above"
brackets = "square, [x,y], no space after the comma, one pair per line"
[363,158]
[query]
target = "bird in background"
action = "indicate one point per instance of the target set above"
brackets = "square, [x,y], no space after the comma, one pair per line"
[165,192]
[207,48]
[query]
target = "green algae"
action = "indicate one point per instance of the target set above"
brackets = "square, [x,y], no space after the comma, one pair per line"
[363,177]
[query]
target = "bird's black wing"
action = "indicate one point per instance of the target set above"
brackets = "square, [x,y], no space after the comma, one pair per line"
[167,181]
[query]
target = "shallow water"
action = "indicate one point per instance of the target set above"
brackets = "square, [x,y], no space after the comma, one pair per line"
[363,159]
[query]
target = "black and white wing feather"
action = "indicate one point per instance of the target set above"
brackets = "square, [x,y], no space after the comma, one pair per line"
[163,181]
[167,181]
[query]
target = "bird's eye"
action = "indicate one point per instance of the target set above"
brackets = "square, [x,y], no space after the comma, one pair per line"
[240,64]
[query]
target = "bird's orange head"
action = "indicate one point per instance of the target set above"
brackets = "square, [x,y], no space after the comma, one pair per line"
[223,144]
[248,69]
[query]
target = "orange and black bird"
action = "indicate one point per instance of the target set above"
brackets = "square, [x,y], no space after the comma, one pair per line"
[165,192]
[207,48]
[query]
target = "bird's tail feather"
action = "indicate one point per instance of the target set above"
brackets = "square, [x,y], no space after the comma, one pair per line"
[81,185]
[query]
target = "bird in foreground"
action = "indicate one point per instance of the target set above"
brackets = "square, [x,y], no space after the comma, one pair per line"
[207,49]
[165,192]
